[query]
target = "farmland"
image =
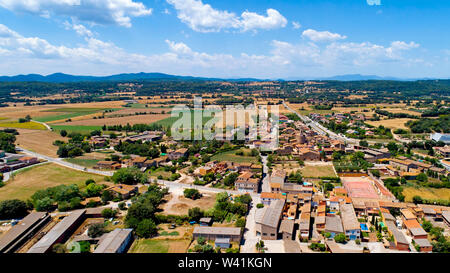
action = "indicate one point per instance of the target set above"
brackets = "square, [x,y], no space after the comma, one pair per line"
[38,141]
[231,156]
[23,125]
[426,193]
[27,181]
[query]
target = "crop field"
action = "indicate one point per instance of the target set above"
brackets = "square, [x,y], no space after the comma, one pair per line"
[27,181]
[24,125]
[133,119]
[77,129]
[66,113]
[397,123]
[39,141]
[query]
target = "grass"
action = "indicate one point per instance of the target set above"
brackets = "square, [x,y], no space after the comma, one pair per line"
[159,246]
[231,156]
[160,171]
[25,125]
[69,113]
[318,171]
[426,193]
[89,163]
[27,181]
[168,122]
[76,129]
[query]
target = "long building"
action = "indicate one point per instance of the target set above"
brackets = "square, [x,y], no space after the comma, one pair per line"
[117,241]
[213,233]
[350,223]
[60,233]
[23,231]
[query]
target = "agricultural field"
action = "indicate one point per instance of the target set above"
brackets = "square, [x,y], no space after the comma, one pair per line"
[68,113]
[29,180]
[24,125]
[315,171]
[133,119]
[76,129]
[426,193]
[39,141]
[396,123]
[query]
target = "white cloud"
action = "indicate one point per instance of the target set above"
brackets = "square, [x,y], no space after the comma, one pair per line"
[21,54]
[204,18]
[117,12]
[79,29]
[322,36]
[296,25]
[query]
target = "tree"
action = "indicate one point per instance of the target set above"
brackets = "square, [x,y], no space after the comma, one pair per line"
[363,143]
[392,147]
[109,213]
[422,177]
[240,222]
[192,194]
[201,240]
[195,214]
[146,228]
[340,238]
[230,179]
[107,196]
[94,189]
[129,176]
[13,209]
[417,199]
[96,230]
[63,133]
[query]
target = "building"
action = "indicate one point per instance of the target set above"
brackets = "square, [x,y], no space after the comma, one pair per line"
[441,137]
[123,191]
[446,217]
[245,183]
[287,229]
[109,165]
[23,231]
[400,241]
[214,233]
[424,245]
[60,232]
[443,151]
[178,154]
[205,222]
[268,197]
[268,221]
[333,225]
[352,229]
[222,243]
[117,241]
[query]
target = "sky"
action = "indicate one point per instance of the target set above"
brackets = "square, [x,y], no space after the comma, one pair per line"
[268,39]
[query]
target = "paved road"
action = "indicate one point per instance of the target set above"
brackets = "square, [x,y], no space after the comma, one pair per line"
[250,238]
[61,162]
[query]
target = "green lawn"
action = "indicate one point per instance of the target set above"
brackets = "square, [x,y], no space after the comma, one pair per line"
[89,163]
[76,129]
[231,156]
[149,246]
[66,113]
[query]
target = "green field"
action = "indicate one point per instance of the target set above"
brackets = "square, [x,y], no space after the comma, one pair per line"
[231,156]
[88,163]
[66,113]
[167,122]
[76,129]
[27,181]
[159,246]
[24,125]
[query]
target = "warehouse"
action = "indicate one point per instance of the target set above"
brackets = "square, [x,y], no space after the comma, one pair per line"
[23,231]
[116,241]
[60,233]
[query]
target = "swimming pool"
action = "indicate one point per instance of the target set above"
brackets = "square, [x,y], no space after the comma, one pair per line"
[364,227]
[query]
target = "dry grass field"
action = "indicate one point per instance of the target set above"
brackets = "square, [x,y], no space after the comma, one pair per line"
[180,205]
[39,141]
[426,193]
[27,181]
[314,171]
[397,123]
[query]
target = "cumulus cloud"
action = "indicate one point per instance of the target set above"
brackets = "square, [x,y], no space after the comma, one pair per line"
[117,12]
[322,36]
[204,18]
[79,29]
[22,54]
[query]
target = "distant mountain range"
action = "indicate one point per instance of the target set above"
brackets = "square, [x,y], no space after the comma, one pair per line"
[60,78]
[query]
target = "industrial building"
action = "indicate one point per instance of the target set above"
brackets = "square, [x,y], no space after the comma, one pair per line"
[116,241]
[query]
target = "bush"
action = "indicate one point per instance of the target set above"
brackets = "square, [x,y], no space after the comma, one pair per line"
[10,209]
[96,230]
[122,206]
[146,228]
[340,238]
[240,222]
[260,206]
[109,213]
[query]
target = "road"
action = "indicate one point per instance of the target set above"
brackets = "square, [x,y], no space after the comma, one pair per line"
[61,162]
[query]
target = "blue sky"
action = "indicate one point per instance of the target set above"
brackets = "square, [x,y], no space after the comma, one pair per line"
[253,38]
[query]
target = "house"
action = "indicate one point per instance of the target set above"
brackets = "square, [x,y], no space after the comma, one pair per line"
[268,197]
[222,243]
[352,229]
[205,170]
[175,155]
[268,221]
[278,176]
[93,200]
[400,241]
[320,222]
[29,160]
[446,217]
[214,233]
[206,221]
[139,162]
[123,191]
[333,225]
[443,151]
[424,245]
[407,215]
[110,165]
[245,183]
[307,155]
[287,229]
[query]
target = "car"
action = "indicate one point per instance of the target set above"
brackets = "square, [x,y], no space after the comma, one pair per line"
[172,226]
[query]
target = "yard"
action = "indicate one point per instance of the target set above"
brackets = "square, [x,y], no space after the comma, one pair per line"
[315,171]
[159,246]
[231,156]
[27,181]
